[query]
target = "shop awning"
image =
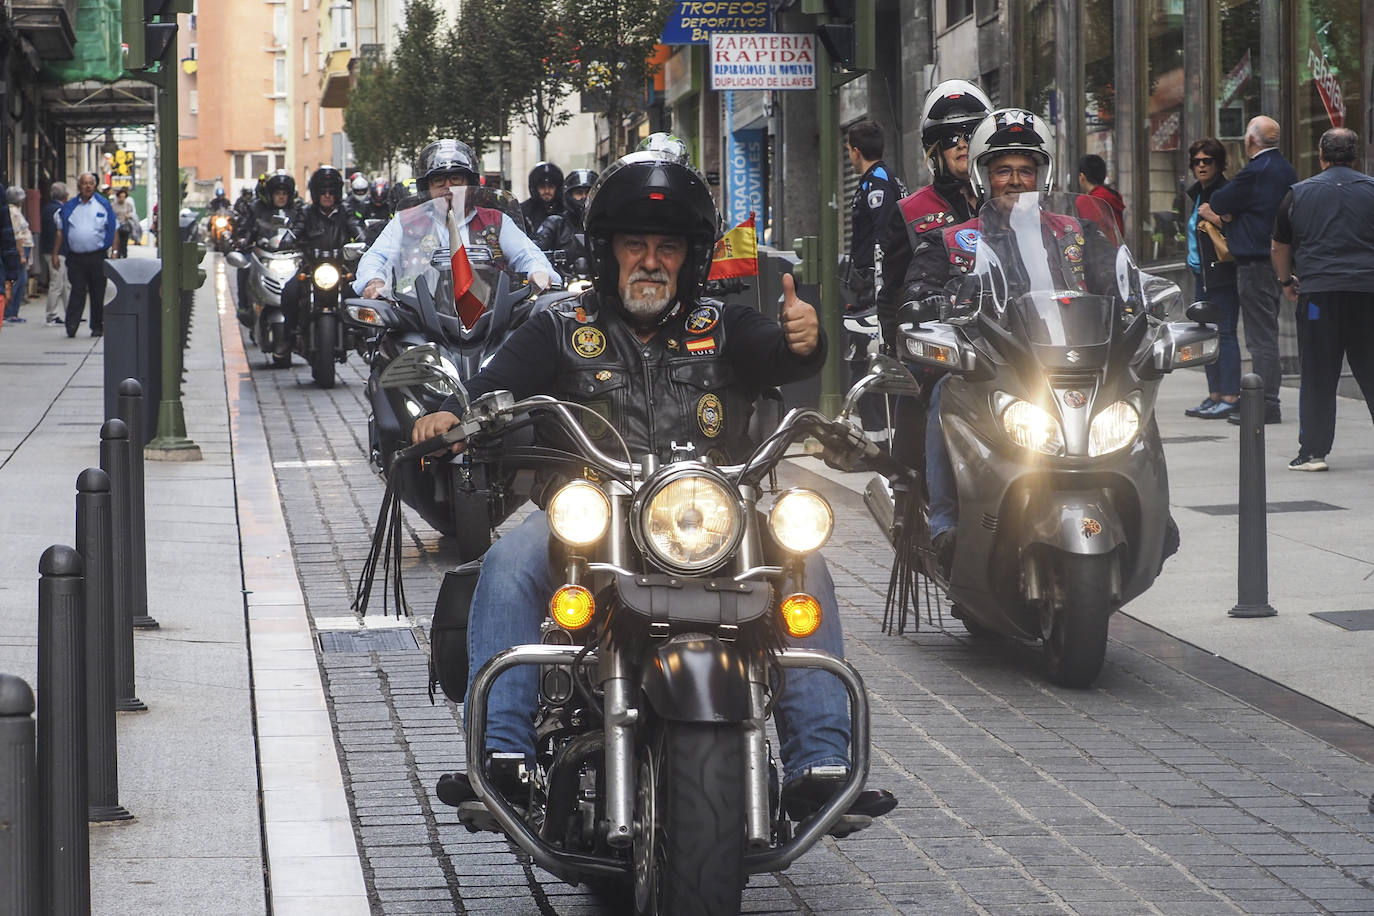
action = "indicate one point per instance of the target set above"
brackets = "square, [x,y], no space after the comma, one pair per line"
[94,104]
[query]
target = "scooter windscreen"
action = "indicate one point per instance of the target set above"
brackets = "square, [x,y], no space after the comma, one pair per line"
[1046,264]
[459,281]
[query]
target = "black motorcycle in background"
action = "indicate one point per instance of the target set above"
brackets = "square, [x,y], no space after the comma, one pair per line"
[321,337]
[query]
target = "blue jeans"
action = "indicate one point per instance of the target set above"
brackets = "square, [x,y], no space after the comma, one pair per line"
[21,286]
[513,594]
[944,492]
[1223,376]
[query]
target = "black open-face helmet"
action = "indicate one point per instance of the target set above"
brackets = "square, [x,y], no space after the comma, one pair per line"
[577,180]
[544,173]
[644,192]
[326,180]
[280,180]
[443,157]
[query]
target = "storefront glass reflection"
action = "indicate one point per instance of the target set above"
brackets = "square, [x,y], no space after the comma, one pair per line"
[1166,144]
[1327,54]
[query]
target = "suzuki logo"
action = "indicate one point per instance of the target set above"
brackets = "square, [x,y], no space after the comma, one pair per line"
[1073,356]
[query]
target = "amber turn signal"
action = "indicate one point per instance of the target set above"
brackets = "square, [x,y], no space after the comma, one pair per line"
[572,607]
[801,614]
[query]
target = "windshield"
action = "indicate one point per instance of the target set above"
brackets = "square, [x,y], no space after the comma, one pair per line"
[425,257]
[1053,266]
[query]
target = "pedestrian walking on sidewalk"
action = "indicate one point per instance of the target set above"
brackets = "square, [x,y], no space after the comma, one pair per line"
[1248,204]
[1216,280]
[9,257]
[85,232]
[1323,252]
[23,242]
[59,284]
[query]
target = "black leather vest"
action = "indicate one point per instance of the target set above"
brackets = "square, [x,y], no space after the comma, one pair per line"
[675,388]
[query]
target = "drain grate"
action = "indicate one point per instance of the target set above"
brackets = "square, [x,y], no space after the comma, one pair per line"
[1349,620]
[1187,440]
[1292,505]
[368,641]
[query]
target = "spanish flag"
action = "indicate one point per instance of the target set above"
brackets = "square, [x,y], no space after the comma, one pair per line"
[737,253]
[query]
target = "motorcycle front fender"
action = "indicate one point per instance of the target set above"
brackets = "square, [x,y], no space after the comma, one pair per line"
[1082,523]
[694,678]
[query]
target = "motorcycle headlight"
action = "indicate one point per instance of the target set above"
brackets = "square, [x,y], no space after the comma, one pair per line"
[801,521]
[282,267]
[1033,428]
[1113,429]
[326,276]
[579,514]
[691,521]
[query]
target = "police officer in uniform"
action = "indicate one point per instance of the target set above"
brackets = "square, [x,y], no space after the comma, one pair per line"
[661,365]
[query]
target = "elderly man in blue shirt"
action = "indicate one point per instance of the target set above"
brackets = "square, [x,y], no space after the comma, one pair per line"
[85,232]
[444,164]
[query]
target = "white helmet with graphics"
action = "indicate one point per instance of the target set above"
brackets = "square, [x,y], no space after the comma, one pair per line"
[1010,130]
[951,111]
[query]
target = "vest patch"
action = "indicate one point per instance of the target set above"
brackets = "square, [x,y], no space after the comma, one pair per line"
[588,342]
[706,346]
[702,319]
[710,415]
[967,239]
[1073,253]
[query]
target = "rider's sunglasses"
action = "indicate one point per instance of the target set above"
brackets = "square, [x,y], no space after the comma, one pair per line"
[1202,160]
[950,141]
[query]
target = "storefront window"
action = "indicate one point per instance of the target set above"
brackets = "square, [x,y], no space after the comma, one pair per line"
[1099,79]
[1236,75]
[1167,146]
[1328,34]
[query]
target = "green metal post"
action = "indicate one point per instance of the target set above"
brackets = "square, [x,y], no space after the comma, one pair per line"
[832,374]
[171,443]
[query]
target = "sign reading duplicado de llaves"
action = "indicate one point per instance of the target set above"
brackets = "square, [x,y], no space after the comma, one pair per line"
[765,61]
[693,21]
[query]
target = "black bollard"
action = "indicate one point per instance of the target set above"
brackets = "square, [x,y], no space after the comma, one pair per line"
[1252,563]
[132,413]
[62,795]
[93,542]
[21,869]
[114,460]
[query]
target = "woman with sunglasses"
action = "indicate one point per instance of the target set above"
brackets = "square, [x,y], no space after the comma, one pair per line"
[1216,282]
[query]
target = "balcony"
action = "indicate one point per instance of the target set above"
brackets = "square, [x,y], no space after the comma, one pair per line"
[94,104]
[48,25]
[336,80]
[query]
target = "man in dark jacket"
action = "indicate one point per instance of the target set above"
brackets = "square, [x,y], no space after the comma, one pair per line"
[1248,204]
[546,188]
[326,225]
[561,231]
[661,366]
[1323,252]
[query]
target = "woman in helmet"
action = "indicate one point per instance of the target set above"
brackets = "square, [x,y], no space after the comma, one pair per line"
[561,230]
[546,184]
[326,225]
[442,165]
[668,368]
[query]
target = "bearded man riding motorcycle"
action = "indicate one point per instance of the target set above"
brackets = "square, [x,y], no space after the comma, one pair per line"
[663,367]
[325,225]
[444,164]
[1008,153]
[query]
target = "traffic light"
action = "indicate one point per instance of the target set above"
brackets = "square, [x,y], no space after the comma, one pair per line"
[807,270]
[149,26]
[851,39]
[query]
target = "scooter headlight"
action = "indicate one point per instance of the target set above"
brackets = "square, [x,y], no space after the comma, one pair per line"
[326,276]
[1113,429]
[691,520]
[579,514]
[801,521]
[1033,428]
[282,267]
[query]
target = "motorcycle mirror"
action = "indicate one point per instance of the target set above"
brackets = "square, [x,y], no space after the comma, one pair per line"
[1203,312]
[236,260]
[1161,294]
[422,365]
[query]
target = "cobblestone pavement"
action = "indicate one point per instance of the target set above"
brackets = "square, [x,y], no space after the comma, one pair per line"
[1150,793]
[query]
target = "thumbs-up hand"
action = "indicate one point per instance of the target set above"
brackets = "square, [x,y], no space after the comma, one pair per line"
[799,323]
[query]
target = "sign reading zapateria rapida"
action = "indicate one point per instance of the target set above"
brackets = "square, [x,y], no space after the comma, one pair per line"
[769,60]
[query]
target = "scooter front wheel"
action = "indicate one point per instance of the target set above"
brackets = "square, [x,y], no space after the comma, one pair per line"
[1075,642]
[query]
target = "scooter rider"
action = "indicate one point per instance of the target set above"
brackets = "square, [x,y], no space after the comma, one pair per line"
[546,188]
[275,195]
[443,164]
[325,225]
[220,201]
[651,228]
[560,230]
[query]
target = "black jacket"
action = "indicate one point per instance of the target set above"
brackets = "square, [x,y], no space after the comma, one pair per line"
[317,230]
[259,223]
[559,233]
[696,380]
[1215,274]
[536,211]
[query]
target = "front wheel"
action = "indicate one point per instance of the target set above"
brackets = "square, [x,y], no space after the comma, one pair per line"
[1076,632]
[689,826]
[322,359]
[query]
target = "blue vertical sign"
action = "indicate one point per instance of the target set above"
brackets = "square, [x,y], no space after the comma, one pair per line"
[744,169]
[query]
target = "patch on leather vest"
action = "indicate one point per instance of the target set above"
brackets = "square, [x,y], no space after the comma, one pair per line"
[710,415]
[702,319]
[588,342]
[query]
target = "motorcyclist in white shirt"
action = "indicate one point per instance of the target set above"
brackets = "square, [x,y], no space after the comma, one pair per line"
[443,164]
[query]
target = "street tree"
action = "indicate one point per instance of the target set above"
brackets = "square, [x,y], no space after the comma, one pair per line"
[371,118]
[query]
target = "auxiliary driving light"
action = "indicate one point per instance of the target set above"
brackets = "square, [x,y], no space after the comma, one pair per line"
[801,614]
[572,607]
[579,514]
[801,521]
[326,276]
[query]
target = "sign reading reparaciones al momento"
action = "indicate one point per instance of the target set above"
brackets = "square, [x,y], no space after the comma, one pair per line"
[766,61]
[693,21]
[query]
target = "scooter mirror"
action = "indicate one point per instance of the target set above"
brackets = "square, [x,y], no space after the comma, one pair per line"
[236,260]
[1203,312]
